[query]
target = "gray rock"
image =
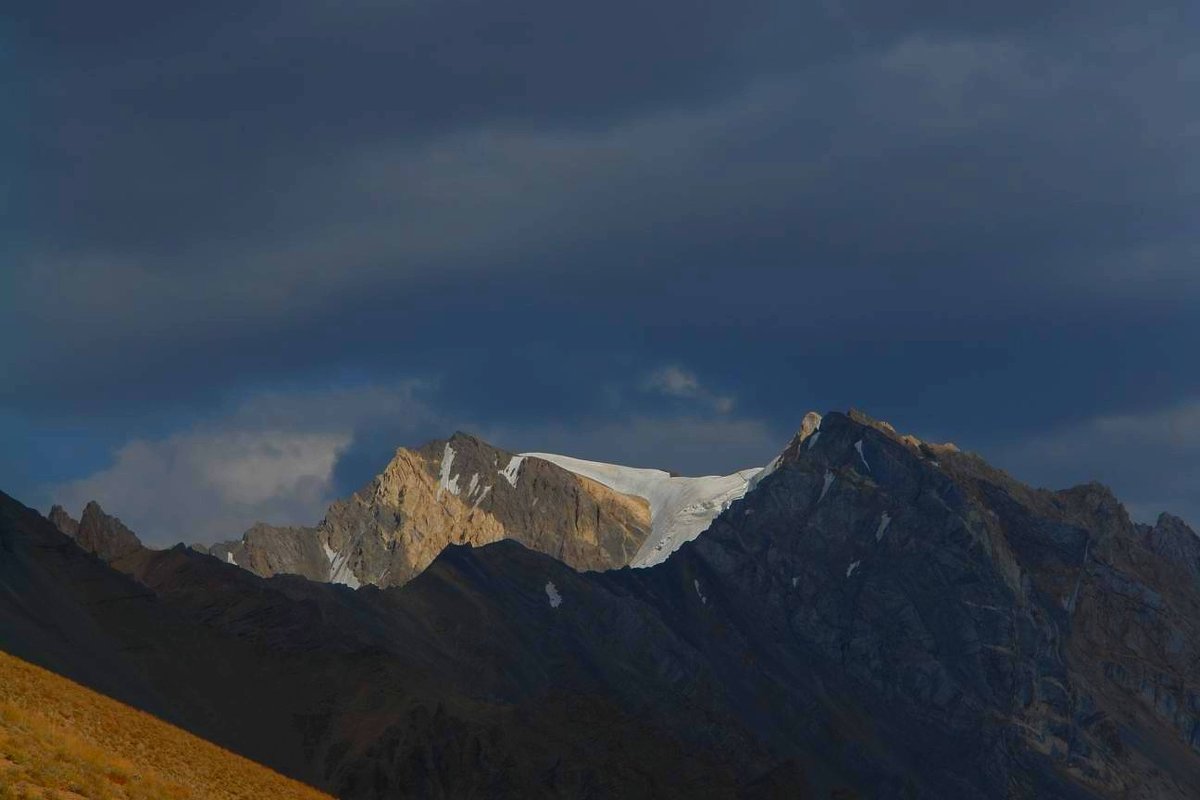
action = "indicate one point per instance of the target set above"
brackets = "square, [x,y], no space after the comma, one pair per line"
[97,532]
[63,521]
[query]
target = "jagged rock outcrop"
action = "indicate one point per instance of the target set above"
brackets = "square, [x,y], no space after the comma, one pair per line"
[458,491]
[97,532]
[1172,539]
[809,432]
[63,521]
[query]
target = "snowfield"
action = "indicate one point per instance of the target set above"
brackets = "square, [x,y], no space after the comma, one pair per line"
[339,568]
[680,508]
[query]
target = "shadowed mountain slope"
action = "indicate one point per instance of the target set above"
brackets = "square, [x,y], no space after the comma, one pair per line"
[879,617]
[453,686]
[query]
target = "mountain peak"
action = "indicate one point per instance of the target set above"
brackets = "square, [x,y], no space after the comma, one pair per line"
[863,418]
[1175,540]
[809,425]
[63,521]
[681,508]
[460,490]
[1170,521]
[105,535]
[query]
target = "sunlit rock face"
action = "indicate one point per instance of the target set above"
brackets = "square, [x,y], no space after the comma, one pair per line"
[458,491]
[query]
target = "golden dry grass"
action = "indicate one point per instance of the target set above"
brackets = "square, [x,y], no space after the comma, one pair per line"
[59,740]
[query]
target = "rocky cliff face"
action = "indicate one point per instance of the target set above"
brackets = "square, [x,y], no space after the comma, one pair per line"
[1171,538]
[681,508]
[270,550]
[63,521]
[1039,637]
[458,491]
[97,532]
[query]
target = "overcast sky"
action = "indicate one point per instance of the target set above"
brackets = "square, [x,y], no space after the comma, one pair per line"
[250,248]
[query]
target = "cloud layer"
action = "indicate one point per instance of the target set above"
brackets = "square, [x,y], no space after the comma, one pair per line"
[274,457]
[851,171]
[936,212]
[282,457]
[207,486]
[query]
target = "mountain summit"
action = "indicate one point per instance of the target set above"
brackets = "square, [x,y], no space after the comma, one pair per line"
[457,491]
[97,532]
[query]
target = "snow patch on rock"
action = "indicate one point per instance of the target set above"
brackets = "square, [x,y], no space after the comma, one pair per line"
[884,521]
[829,478]
[512,471]
[339,568]
[552,594]
[859,447]
[764,472]
[482,495]
[445,481]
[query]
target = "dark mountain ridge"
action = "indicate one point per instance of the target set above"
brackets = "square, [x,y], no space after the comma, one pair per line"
[879,617]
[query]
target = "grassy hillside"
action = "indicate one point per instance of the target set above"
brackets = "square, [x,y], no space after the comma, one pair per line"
[60,740]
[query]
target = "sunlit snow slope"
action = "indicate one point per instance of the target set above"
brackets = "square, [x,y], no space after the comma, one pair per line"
[680,508]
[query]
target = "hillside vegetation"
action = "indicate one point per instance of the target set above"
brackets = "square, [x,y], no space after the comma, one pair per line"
[60,740]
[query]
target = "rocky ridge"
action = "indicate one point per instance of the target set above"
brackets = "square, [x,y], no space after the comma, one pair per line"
[97,532]
[457,491]
[880,617]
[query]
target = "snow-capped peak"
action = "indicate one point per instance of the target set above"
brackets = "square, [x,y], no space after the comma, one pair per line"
[680,508]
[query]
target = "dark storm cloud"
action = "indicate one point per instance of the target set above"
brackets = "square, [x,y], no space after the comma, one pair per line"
[192,119]
[923,208]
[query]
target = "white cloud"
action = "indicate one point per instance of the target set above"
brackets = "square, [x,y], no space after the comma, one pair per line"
[723,404]
[675,381]
[271,458]
[214,484]
[274,457]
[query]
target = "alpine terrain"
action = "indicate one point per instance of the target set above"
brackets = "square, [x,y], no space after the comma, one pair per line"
[464,491]
[870,615]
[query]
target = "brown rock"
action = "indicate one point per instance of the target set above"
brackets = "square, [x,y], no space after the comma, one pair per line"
[104,535]
[63,521]
[457,491]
